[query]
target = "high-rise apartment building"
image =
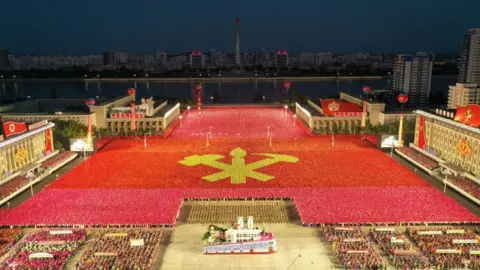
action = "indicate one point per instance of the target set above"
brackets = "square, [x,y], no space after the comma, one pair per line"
[109,58]
[281,59]
[412,75]
[469,69]
[197,60]
[463,94]
[4,61]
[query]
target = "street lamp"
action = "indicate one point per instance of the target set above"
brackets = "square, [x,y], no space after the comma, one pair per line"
[134,75]
[85,75]
[98,75]
[294,118]
[180,117]
[188,109]
[14,76]
[146,75]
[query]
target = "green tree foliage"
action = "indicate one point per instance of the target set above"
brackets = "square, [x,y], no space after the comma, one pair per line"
[65,130]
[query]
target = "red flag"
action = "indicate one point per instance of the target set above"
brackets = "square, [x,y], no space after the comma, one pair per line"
[132,107]
[13,128]
[49,141]
[421,132]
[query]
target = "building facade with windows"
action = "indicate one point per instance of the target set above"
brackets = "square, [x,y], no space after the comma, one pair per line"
[412,75]
[113,115]
[22,146]
[455,142]
[463,94]
[469,68]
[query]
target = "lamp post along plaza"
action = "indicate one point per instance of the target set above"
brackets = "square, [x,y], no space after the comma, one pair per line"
[294,118]
[180,117]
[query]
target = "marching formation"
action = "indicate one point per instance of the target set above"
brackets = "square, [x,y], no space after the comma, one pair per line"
[223,212]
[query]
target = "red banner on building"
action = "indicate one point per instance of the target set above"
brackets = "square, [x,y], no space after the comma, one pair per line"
[421,132]
[469,115]
[364,114]
[89,130]
[133,114]
[11,128]
[49,141]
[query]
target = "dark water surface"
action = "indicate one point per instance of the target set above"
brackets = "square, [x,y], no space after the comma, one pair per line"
[225,92]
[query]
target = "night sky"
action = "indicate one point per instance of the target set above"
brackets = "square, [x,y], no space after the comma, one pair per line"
[148,26]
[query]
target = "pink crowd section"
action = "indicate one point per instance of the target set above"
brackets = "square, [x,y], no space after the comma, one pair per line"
[161,206]
[238,122]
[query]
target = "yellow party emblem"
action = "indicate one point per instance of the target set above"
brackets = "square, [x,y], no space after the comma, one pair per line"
[238,171]
[463,148]
[21,155]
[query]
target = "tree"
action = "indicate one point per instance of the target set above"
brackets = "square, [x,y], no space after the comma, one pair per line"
[66,130]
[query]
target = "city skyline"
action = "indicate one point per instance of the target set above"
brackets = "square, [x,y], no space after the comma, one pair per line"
[148,26]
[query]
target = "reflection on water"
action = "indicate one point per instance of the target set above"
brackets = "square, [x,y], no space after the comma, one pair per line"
[225,91]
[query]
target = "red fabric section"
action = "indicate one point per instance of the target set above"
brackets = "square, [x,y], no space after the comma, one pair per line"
[11,128]
[332,106]
[127,164]
[161,206]
[238,123]
[421,133]
[49,141]
[469,115]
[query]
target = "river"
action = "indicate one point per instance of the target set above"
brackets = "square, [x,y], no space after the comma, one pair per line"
[225,91]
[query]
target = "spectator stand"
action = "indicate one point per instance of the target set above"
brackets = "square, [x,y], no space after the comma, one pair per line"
[447,247]
[459,180]
[8,239]
[354,250]
[422,151]
[47,249]
[419,159]
[464,186]
[56,162]
[32,174]
[113,249]
[401,252]
[17,185]
[51,155]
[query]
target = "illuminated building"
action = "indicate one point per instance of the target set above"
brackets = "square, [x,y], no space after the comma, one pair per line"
[412,75]
[463,94]
[469,68]
[281,59]
[107,114]
[452,136]
[21,146]
[345,114]
[197,60]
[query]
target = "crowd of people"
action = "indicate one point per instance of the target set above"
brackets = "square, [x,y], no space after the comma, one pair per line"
[419,157]
[466,185]
[13,185]
[57,160]
[8,238]
[378,205]
[116,250]
[114,207]
[225,211]
[401,252]
[353,249]
[446,247]
[45,250]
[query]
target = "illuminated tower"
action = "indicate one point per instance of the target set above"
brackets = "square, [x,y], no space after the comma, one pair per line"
[238,59]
